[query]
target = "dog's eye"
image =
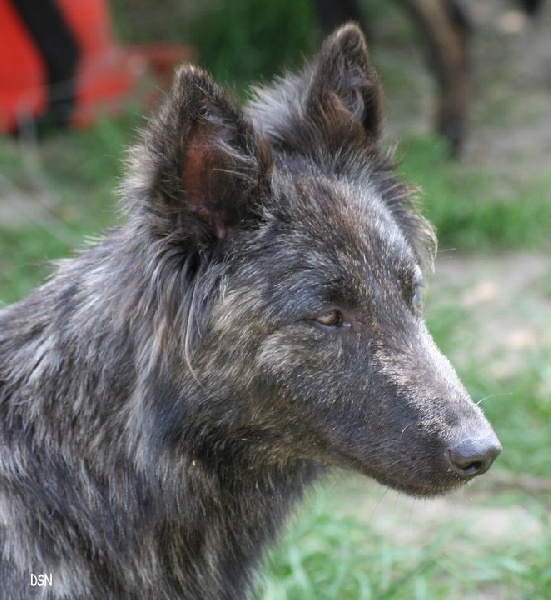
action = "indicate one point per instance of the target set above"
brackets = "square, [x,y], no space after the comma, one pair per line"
[414,286]
[417,296]
[333,318]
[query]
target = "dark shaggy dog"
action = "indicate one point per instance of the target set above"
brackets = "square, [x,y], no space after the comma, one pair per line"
[168,394]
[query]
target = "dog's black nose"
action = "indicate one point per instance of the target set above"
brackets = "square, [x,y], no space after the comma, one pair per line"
[471,457]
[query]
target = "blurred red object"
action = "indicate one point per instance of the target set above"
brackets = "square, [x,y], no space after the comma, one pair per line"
[22,73]
[106,73]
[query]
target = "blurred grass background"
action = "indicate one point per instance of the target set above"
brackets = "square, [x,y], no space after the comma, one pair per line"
[477,208]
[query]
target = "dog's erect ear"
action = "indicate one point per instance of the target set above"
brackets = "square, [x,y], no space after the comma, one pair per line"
[344,79]
[202,167]
[334,103]
[224,165]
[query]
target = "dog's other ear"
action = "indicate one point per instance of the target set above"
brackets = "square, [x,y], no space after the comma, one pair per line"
[344,79]
[333,104]
[201,169]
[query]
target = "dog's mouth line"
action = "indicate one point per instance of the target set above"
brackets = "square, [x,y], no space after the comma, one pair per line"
[446,482]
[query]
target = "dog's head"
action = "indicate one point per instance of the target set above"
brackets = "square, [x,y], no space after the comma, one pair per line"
[305,262]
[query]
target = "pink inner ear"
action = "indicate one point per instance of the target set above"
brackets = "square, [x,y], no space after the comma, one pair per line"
[199,171]
[195,172]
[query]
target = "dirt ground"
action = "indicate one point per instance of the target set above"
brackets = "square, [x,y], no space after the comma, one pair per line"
[506,300]
[512,77]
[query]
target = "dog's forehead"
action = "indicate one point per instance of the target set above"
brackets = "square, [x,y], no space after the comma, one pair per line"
[347,222]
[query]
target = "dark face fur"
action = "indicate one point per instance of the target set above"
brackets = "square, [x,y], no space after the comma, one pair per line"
[312,343]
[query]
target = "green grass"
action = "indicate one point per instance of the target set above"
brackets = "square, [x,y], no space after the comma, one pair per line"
[465,207]
[230,34]
[328,556]
[80,169]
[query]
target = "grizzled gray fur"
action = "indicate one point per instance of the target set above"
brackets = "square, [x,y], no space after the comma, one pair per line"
[168,394]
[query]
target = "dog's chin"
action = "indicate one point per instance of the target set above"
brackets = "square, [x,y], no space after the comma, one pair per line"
[421,485]
[427,489]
